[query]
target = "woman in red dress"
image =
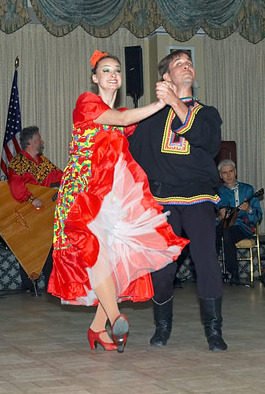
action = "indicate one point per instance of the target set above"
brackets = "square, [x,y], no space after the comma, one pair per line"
[109,231]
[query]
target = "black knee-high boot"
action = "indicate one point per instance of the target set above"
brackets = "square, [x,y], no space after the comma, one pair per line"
[212,321]
[163,320]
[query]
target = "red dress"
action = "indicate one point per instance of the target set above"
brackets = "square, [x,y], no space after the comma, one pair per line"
[106,220]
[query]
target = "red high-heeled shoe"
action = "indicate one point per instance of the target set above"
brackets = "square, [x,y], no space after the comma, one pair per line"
[119,330]
[94,339]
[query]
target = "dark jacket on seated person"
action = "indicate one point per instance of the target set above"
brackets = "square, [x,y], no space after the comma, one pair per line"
[246,221]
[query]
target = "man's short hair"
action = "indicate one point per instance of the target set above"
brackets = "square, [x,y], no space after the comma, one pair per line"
[163,66]
[26,135]
[225,163]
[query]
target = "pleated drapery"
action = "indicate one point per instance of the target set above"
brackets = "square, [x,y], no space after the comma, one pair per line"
[234,83]
[180,18]
[53,72]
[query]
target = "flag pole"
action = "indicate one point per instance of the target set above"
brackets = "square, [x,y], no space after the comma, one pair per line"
[17,63]
[11,144]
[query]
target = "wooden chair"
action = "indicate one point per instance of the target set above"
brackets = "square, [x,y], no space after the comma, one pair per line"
[251,244]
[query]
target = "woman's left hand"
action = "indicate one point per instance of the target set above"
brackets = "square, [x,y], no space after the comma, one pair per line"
[245,206]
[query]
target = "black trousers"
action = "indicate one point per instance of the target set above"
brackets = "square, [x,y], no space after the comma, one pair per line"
[231,235]
[198,222]
[47,269]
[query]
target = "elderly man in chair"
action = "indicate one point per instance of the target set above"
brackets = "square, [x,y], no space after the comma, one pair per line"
[239,212]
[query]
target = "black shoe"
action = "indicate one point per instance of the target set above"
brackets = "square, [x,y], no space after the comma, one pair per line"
[177,283]
[211,316]
[234,280]
[162,333]
[163,321]
[27,289]
[262,278]
[216,343]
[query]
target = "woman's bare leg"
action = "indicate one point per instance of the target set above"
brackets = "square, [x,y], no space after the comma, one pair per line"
[100,319]
[107,308]
[107,297]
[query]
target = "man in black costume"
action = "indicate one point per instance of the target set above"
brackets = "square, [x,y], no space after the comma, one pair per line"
[176,148]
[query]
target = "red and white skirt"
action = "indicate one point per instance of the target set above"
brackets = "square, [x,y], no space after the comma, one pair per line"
[114,228]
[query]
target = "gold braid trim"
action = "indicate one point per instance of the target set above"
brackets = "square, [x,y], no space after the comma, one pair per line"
[21,164]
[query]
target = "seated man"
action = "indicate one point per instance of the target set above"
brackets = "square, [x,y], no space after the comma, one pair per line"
[238,223]
[31,166]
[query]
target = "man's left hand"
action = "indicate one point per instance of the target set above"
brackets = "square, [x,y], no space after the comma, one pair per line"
[37,203]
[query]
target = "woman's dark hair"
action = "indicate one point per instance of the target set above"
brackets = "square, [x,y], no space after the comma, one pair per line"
[26,135]
[108,56]
[163,66]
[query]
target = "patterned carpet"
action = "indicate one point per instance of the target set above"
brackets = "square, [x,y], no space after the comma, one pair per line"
[9,271]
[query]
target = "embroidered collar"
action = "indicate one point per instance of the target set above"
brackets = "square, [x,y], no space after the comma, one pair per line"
[187,99]
[29,157]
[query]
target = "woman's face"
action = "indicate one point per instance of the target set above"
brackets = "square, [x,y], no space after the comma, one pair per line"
[108,74]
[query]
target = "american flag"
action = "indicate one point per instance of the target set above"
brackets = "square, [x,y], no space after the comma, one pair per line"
[11,145]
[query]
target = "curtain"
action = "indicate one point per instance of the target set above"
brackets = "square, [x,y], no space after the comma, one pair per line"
[180,18]
[234,84]
[53,72]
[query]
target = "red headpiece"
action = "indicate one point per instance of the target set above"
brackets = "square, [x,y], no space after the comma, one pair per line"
[97,55]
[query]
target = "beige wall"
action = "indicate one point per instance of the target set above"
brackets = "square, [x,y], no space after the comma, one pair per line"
[156,47]
[54,71]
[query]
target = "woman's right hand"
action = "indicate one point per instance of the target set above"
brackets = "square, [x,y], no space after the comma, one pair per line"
[161,104]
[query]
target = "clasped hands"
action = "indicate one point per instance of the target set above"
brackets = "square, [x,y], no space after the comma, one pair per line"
[165,92]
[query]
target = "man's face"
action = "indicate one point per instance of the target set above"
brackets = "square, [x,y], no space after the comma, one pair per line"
[181,71]
[37,143]
[228,175]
